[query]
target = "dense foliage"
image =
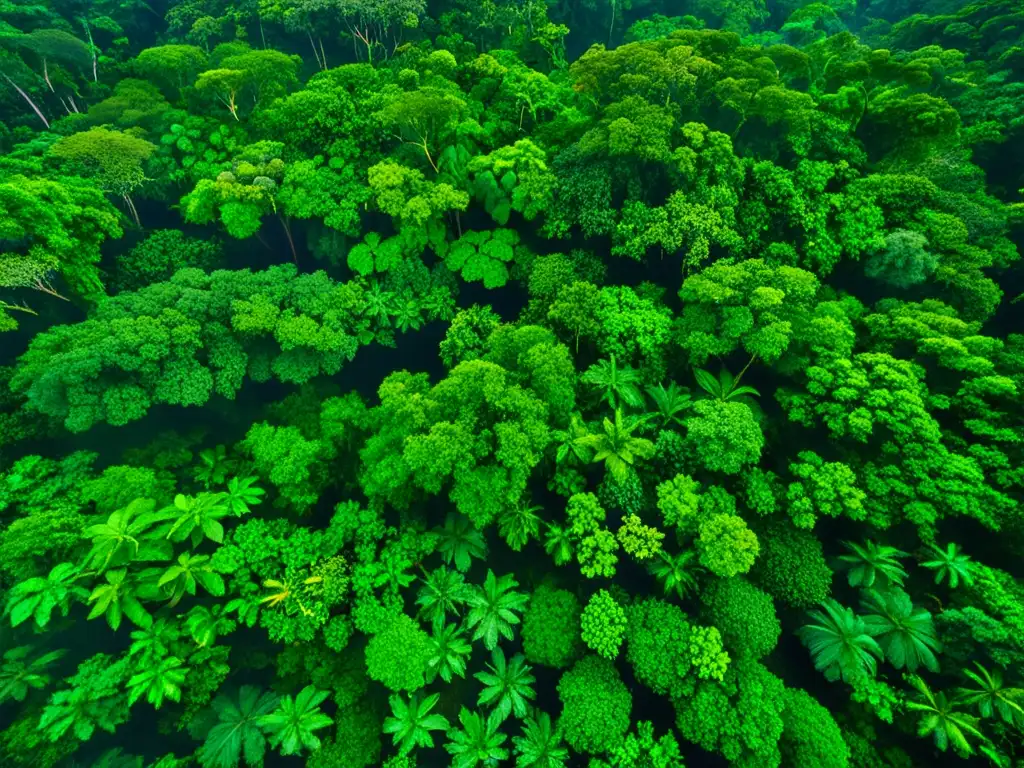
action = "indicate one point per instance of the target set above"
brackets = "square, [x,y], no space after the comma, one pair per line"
[615,383]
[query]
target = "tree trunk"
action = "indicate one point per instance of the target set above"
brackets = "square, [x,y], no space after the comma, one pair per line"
[31,103]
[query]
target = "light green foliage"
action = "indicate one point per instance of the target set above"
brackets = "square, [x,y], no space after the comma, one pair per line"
[641,542]
[477,741]
[467,334]
[199,335]
[37,597]
[397,655]
[596,705]
[664,648]
[744,615]
[727,546]
[513,178]
[749,305]
[823,488]
[725,436]
[950,563]
[484,255]
[551,627]
[616,446]
[59,227]
[678,501]
[114,159]
[603,624]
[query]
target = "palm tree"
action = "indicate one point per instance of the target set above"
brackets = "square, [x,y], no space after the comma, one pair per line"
[677,574]
[459,542]
[906,634]
[619,384]
[290,728]
[540,746]
[478,741]
[518,525]
[565,439]
[558,544]
[617,447]
[448,652]
[951,563]
[942,721]
[871,562]
[507,686]
[726,388]
[493,609]
[990,696]
[669,402]
[443,591]
[412,722]
[839,642]
[237,735]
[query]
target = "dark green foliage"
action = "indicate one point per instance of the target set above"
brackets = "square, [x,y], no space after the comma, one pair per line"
[744,615]
[596,705]
[551,627]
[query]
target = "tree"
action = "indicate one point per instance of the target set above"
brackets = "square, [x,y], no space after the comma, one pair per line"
[744,615]
[576,309]
[905,632]
[540,746]
[412,721]
[873,562]
[113,158]
[840,643]
[904,262]
[398,654]
[603,624]
[421,116]
[478,741]
[449,651]
[677,573]
[991,696]
[616,446]
[551,627]
[443,592]
[670,403]
[291,727]
[507,686]
[727,546]
[810,735]
[596,705]
[619,383]
[494,609]
[59,227]
[950,563]
[724,435]
[942,721]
